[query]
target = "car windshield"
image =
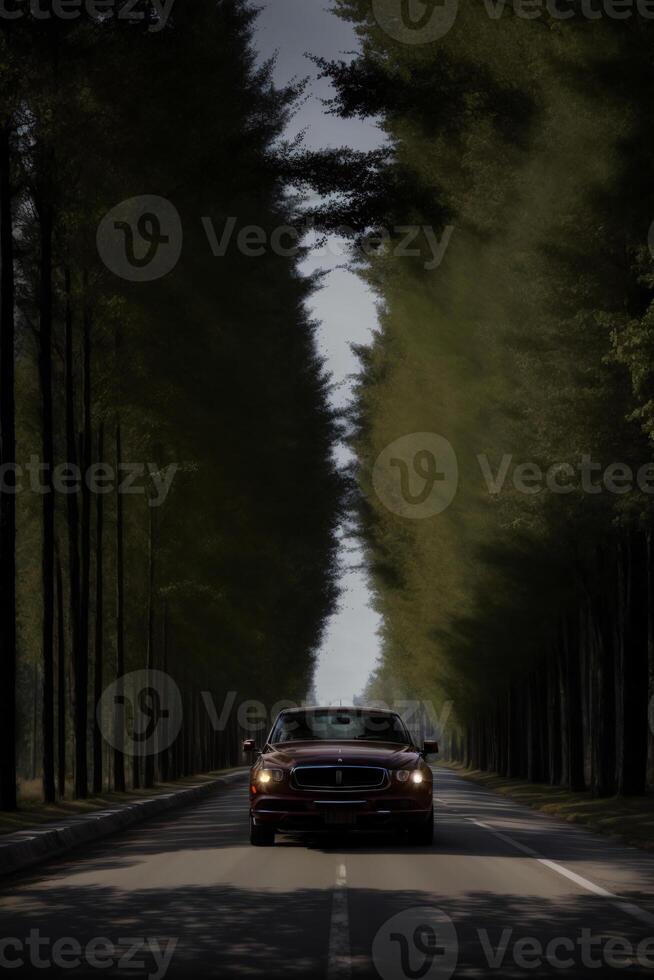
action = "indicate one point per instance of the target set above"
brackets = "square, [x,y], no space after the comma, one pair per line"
[339,726]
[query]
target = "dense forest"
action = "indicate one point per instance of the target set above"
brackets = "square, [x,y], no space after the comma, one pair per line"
[531,344]
[206,548]
[205,545]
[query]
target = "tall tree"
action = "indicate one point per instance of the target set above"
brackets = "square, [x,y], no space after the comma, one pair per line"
[98,668]
[8,652]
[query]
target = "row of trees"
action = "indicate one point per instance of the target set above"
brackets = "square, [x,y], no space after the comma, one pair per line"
[202,387]
[531,609]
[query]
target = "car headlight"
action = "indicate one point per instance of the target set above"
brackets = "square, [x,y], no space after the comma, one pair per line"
[265,776]
[404,775]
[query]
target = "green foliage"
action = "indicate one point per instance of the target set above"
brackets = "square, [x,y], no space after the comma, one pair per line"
[213,368]
[533,337]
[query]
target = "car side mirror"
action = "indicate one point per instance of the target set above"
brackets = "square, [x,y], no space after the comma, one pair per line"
[250,746]
[430,747]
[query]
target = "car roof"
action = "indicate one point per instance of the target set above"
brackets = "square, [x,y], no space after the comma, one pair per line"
[338,708]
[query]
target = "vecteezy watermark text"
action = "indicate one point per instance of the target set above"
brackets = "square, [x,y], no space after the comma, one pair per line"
[98,10]
[423,942]
[417,476]
[586,474]
[564,952]
[141,713]
[401,241]
[140,479]
[141,240]
[255,716]
[67,953]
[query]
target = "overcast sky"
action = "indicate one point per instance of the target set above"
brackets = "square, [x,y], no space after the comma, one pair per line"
[344,306]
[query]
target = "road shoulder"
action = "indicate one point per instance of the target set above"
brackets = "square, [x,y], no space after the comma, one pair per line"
[35,845]
[629,820]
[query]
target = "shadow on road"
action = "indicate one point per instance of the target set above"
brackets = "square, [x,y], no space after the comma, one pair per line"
[230,932]
[193,877]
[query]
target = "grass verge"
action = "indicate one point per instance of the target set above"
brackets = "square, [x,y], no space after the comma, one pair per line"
[626,818]
[34,813]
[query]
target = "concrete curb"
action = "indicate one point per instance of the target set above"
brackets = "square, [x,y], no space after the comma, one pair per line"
[30,847]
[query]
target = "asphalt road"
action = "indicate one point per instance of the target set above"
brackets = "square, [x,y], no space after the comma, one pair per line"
[502,892]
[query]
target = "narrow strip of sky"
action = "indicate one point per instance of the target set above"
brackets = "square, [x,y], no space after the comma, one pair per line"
[344,306]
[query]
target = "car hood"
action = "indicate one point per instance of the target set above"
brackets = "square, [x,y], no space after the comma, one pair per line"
[390,755]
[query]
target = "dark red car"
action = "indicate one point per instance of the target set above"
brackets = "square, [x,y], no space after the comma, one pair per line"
[327,769]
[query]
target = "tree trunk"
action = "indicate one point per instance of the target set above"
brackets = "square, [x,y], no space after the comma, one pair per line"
[80,665]
[99,627]
[119,757]
[533,691]
[48,531]
[85,587]
[574,740]
[562,693]
[7,499]
[61,682]
[513,735]
[601,637]
[152,544]
[650,657]
[468,746]
[633,667]
[35,722]
[554,747]
[166,753]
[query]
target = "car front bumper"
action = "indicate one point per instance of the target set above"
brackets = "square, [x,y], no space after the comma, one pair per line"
[316,814]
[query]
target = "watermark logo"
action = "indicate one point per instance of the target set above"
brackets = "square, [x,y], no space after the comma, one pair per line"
[141,239]
[418,944]
[417,475]
[140,714]
[422,944]
[415,21]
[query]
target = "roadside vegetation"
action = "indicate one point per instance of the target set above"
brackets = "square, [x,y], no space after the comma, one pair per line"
[626,818]
[527,607]
[218,566]
[34,813]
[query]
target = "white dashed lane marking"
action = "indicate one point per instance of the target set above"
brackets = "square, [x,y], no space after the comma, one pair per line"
[633,910]
[338,959]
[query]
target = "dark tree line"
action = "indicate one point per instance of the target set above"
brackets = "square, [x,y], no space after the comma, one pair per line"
[207,378]
[531,610]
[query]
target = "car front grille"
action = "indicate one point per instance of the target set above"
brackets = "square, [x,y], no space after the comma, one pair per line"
[339,777]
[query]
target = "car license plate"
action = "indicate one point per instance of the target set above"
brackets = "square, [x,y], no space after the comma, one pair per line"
[340,818]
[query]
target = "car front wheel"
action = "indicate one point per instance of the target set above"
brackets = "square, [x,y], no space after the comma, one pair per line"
[260,835]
